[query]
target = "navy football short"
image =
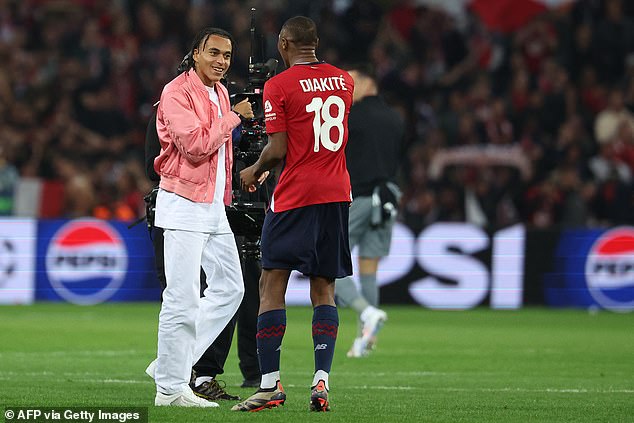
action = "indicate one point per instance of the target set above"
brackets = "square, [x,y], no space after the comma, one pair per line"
[312,240]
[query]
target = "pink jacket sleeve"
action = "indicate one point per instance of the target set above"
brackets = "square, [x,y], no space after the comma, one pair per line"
[194,138]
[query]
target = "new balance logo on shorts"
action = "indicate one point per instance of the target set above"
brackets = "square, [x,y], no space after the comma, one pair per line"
[321,347]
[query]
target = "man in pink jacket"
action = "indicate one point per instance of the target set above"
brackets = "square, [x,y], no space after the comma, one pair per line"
[194,124]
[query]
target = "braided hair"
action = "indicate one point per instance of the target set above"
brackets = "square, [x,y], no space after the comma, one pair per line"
[201,38]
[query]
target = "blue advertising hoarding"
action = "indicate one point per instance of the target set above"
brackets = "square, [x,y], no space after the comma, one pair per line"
[89,261]
[593,268]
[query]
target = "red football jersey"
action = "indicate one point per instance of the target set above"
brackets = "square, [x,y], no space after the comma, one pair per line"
[311,103]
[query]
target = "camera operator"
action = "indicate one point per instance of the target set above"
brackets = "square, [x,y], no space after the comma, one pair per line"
[372,154]
[194,122]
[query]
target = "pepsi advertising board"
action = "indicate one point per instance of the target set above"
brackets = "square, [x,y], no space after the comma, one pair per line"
[593,268]
[446,265]
[89,261]
[453,266]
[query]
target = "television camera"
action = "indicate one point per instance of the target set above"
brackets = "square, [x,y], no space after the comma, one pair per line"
[247,210]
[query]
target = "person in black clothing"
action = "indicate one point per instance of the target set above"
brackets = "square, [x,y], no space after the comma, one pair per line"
[212,362]
[375,138]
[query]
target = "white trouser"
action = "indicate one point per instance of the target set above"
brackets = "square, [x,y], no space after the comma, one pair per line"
[188,325]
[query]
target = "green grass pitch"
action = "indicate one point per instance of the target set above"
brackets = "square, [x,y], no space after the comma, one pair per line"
[439,366]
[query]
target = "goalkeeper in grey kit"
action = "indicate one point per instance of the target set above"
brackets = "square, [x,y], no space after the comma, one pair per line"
[375,138]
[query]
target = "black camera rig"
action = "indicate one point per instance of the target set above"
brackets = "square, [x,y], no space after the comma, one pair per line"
[246,212]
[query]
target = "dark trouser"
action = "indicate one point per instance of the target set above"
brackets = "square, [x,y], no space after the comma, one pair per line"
[213,360]
[248,319]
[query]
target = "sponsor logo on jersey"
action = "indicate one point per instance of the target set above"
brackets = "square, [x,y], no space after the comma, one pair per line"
[267,106]
[86,261]
[610,269]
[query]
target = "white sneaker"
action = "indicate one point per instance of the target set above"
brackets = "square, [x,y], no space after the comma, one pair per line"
[357,350]
[187,398]
[151,368]
[371,344]
[373,320]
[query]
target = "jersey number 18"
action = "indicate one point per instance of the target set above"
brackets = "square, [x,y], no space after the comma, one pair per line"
[324,121]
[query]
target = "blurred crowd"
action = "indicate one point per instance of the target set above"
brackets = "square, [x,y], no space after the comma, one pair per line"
[532,126]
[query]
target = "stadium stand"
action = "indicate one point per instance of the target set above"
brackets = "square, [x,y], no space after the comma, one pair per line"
[553,88]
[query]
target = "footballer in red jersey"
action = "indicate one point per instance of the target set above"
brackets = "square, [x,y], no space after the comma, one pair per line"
[311,103]
[306,111]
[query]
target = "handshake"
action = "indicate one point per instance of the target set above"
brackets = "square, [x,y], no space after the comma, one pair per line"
[250,179]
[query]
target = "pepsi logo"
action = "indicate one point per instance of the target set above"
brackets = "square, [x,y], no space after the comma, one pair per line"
[86,261]
[610,270]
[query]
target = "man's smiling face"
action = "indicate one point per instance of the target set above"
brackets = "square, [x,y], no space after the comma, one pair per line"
[213,59]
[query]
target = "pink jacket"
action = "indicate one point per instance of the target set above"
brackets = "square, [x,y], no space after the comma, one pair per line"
[191,133]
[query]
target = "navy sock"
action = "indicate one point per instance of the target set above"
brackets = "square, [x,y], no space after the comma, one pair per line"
[271,328]
[325,327]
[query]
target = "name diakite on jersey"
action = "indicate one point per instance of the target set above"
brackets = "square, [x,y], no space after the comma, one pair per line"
[312,85]
[330,83]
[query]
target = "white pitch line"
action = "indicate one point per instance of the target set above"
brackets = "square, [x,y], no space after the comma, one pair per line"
[121,381]
[546,390]
[9,375]
[413,388]
[237,374]
[87,353]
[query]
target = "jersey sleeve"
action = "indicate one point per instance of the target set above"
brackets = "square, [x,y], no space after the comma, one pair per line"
[274,104]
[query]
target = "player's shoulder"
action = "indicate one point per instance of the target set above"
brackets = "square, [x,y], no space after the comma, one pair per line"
[277,82]
[327,69]
[310,77]
[302,70]
[336,72]
[283,76]
[339,70]
[334,68]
